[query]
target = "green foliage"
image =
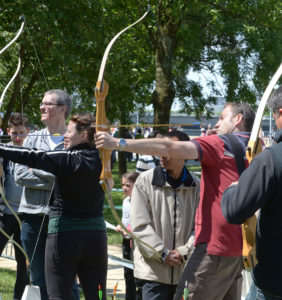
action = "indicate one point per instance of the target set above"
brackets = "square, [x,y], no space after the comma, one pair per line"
[237,39]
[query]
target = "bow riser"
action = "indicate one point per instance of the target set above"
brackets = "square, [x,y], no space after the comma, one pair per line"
[253,149]
[101,92]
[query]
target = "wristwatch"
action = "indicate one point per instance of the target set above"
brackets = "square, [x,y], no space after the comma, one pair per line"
[165,254]
[121,144]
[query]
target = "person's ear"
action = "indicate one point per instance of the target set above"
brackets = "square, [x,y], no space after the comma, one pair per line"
[280,111]
[84,135]
[239,119]
[64,108]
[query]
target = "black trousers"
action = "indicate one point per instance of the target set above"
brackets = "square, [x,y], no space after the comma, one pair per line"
[10,225]
[130,288]
[76,252]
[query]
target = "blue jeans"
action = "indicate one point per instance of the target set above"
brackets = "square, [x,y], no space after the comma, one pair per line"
[252,294]
[31,225]
[10,225]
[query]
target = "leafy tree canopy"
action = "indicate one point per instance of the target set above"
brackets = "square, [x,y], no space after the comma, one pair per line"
[239,40]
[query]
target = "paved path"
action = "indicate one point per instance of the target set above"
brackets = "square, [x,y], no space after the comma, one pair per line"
[115,272]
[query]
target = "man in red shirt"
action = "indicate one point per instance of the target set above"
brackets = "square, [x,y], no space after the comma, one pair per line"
[213,271]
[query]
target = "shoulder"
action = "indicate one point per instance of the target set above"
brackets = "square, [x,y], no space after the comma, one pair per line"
[145,158]
[211,140]
[146,174]
[126,201]
[210,148]
[86,154]
[33,137]
[145,177]
[195,178]
[36,134]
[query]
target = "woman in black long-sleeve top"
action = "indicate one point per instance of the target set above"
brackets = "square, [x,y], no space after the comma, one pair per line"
[77,241]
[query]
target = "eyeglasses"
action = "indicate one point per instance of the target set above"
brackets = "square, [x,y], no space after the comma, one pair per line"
[48,104]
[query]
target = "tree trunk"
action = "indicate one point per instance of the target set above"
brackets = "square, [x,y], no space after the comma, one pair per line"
[122,167]
[164,92]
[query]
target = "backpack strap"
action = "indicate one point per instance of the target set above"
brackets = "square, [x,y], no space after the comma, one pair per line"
[238,153]
[156,161]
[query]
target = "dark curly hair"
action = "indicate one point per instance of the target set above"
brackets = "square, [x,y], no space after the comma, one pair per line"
[85,122]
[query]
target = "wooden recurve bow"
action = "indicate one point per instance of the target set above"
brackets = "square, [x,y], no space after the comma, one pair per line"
[101,91]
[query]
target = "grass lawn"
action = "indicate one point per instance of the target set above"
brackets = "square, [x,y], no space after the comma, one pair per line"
[7,281]
[7,277]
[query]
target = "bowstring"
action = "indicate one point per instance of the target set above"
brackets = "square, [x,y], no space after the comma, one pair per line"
[37,57]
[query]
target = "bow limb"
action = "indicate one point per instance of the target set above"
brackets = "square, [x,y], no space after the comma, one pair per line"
[101,91]
[1,167]
[15,38]
[10,82]
[19,63]
[107,51]
[255,147]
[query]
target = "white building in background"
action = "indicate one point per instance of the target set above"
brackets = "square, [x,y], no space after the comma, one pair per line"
[192,125]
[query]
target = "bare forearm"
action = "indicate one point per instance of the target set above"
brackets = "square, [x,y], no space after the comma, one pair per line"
[159,147]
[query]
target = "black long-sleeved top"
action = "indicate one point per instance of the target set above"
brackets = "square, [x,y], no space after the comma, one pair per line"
[77,192]
[260,187]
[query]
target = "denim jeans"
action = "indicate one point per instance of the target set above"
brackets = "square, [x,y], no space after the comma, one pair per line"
[31,225]
[252,294]
[10,225]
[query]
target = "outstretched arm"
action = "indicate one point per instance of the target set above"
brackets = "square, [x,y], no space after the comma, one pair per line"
[160,147]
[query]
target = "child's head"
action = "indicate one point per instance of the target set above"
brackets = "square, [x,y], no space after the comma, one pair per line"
[18,128]
[127,183]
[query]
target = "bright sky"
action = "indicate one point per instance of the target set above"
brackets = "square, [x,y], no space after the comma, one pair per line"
[203,77]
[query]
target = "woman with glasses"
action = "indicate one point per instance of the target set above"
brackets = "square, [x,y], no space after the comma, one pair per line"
[77,241]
